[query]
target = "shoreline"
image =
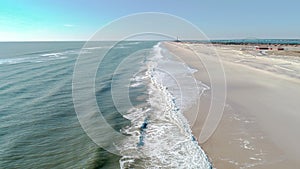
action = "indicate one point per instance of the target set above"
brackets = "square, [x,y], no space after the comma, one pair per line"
[245,136]
[290,49]
[288,42]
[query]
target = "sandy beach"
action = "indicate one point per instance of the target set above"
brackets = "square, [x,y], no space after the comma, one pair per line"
[261,120]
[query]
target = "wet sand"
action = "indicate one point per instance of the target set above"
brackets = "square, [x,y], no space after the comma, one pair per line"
[261,119]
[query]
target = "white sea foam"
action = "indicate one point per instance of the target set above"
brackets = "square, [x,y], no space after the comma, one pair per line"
[160,135]
[52,54]
[97,47]
[10,61]
[136,84]
[62,54]
[38,59]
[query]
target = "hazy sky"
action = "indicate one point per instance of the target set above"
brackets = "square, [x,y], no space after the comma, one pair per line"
[22,20]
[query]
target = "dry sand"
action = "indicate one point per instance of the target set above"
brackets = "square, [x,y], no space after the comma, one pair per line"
[261,120]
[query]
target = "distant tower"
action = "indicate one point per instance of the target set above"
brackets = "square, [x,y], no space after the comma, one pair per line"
[177,39]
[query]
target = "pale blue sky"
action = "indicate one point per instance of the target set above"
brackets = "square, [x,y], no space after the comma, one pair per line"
[23,20]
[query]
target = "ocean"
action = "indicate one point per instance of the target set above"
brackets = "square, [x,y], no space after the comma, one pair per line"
[141,91]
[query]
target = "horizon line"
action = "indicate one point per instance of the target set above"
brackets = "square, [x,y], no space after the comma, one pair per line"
[217,39]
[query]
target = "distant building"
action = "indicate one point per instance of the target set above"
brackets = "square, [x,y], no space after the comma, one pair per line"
[280,48]
[265,47]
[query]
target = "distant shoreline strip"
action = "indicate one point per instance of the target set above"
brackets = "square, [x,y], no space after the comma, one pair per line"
[249,41]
